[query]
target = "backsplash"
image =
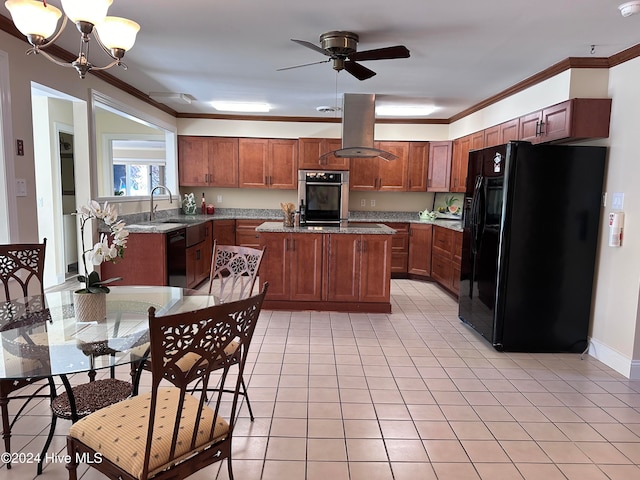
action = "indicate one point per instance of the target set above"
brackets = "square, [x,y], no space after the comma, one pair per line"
[448,205]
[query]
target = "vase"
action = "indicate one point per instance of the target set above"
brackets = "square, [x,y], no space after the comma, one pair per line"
[189,209]
[90,307]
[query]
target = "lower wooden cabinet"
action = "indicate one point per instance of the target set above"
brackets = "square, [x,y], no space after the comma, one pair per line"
[292,265]
[446,256]
[144,261]
[246,235]
[420,236]
[224,232]
[399,249]
[358,268]
[199,257]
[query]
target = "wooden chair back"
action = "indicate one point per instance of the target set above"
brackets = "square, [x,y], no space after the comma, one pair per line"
[22,269]
[234,271]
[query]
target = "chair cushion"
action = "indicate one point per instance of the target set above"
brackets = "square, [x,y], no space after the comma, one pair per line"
[119,432]
[91,397]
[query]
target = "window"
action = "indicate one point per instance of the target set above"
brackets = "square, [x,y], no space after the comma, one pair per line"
[133,154]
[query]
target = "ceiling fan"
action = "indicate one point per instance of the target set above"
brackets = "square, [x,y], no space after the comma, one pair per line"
[341,47]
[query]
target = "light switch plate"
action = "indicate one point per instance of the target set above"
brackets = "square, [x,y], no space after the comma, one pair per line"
[617,201]
[363,203]
[21,187]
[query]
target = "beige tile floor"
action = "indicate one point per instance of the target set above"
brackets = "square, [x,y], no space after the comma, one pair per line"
[412,395]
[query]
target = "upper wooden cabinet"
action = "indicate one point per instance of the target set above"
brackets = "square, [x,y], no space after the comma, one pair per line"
[208,161]
[502,133]
[379,174]
[575,119]
[418,166]
[268,163]
[439,172]
[460,159]
[311,149]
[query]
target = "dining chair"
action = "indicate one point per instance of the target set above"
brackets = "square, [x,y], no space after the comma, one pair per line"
[234,271]
[172,431]
[22,275]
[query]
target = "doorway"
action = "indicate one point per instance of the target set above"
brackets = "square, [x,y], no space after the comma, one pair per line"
[68,185]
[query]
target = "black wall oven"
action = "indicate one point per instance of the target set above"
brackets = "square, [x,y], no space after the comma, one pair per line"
[325,195]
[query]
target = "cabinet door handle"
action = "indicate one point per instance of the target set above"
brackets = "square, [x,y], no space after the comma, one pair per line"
[364,246]
[409,183]
[293,242]
[198,254]
[286,244]
[270,180]
[542,128]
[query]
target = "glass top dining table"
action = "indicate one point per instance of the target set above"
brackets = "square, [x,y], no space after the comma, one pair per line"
[41,336]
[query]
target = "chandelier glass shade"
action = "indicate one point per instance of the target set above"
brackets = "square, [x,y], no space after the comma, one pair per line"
[38,21]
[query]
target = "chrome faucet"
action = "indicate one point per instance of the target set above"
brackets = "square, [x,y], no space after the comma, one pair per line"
[151,207]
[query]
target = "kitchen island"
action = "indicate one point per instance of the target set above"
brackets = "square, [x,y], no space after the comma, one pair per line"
[343,269]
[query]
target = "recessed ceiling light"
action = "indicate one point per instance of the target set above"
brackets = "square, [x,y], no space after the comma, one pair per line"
[246,107]
[404,110]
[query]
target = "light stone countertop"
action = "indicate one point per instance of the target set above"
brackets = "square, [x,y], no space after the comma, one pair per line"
[140,224]
[366,228]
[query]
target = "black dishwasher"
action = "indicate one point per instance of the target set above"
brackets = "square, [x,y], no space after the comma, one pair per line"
[177,258]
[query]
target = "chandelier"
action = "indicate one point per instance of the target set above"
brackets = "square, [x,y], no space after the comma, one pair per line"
[38,22]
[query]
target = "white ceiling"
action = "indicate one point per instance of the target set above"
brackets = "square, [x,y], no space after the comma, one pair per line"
[462,52]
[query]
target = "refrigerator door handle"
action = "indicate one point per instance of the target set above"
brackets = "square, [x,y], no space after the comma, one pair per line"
[475,214]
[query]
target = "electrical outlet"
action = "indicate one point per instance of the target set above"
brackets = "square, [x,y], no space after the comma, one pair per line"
[21,187]
[373,203]
[363,203]
[219,198]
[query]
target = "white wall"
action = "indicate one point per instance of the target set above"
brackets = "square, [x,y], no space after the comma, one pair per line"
[616,329]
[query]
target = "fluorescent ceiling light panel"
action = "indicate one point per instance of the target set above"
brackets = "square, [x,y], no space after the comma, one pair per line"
[404,110]
[245,107]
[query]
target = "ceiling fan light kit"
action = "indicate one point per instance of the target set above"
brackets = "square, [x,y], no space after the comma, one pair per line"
[38,21]
[629,8]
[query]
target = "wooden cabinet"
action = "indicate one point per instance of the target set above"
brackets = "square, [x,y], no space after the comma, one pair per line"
[268,163]
[418,165]
[492,136]
[460,161]
[399,249]
[358,268]
[224,232]
[292,265]
[379,174]
[311,149]
[420,236]
[208,161]
[144,261]
[198,256]
[502,133]
[446,256]
[575,119]
[246,235]
[439,172]
[509,131]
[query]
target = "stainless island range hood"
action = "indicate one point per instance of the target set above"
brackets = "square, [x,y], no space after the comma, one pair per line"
[358,122]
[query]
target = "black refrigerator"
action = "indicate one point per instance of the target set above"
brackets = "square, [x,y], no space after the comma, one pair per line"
[531,219]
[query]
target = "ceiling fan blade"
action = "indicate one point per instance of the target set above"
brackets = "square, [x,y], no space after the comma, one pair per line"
[358,71]
[387,53]
[312,46]
[303,65]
